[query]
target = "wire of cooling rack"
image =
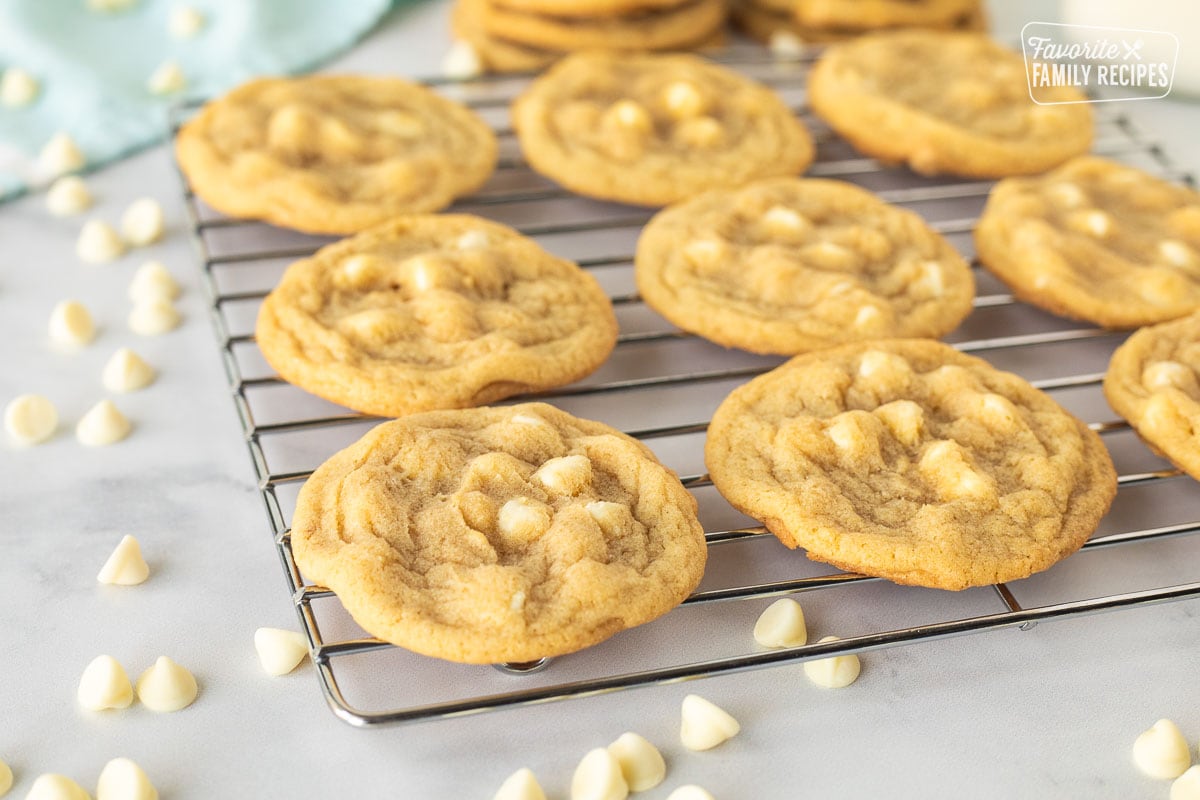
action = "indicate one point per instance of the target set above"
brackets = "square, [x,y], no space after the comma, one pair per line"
[493,94]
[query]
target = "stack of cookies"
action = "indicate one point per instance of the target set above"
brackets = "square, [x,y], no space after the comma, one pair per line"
[527,35]
[834,20]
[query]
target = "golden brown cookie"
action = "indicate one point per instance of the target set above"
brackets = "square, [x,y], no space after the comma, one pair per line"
[653,129]
[876,14]
[1152,383]
[944,102]
[658,29]
[788,265]
[764,19]
[498,534]
[910,461]
[497,55]
[333,154]
[429,312]
[587,8]
[1096,240]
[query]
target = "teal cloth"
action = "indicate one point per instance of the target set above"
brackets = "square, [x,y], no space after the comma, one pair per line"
[93,66]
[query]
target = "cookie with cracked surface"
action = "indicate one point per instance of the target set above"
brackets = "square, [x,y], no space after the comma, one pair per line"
[1096,240]
[654,129]
[789,265]
[946,102]
[911,461]
[498,534]
[1152,381]
[434,311]
[655,29]
[333,154]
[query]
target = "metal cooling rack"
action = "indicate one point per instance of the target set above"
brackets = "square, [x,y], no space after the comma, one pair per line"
[661,385]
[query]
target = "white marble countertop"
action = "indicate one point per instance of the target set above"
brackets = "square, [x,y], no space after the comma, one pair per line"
[1050,712]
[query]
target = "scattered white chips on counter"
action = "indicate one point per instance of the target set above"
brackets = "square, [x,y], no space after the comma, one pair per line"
[641,763]
[52,786]
[781,625]
[152,281]
[71,325]
[185,22]
[1161,752]
[6,777]
[786,46]
[98,243]
[103,424]
[280,651]
[166,686]
[143,222]
[1187,785]
[836,672]
[521,785]
[705,725]
[462,61]
[125,567]
[598,777]
[126,371]
[167,78]
[123,779]
[690,792]
[17,88]
[104,685]
[59,156]
[30,418]
[67,196]
[153,317]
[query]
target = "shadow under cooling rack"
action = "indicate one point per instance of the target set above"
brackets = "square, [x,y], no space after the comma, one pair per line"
[662,385]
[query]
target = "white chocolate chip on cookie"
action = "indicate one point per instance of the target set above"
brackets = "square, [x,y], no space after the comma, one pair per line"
[1177,253]
[523,519]
[683,100]
[786,46]
[784,222]
[567,475]
[1159,375]
[125,566]
[905,419]
[705,725]
[703,132]
[104,685]
[641,763]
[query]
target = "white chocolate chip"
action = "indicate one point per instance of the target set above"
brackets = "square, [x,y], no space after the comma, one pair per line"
[109,6]
[1092,221]
[835,672]
[125,371]
[567,475]
[1160,375]
[705,252]
[1177,253]
[611,517]
[946,465]
[17,88]
[786,46]
[30,418]
[98,243]
[683,100]
[71,325]
[905,419]
[1187,785]
[522,518]
[521,785]
[705,725]
[932,280]
[280,651]
[998,412]
[59,156]
[527,419]
[868,317]
[641,764]
[598,777]
[462,61]
[167,78]
[423,273]
[6,778]
[781,625]
[123,779]
[690,791]
[51,786]
[1066,194]
[473,240]
[153,317]
[166,686]
[68,195]
[125,567]
[700,132]
[153,281]
[103,424]
[877,366]
[783,221]
[143,222]
[1161,752]
[104,685]
[185,22]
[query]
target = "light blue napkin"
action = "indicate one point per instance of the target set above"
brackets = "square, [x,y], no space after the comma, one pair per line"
[93,66]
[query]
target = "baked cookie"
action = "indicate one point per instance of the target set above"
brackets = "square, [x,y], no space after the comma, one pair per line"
[653,129]
[587,8]
[1152,383]
[763,19]
[333,154]
[1096,240]
[944,102]
[498,534]
[910,461]
[658,29]
[875,14]
[788,265]
[428,312]
[496,54]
